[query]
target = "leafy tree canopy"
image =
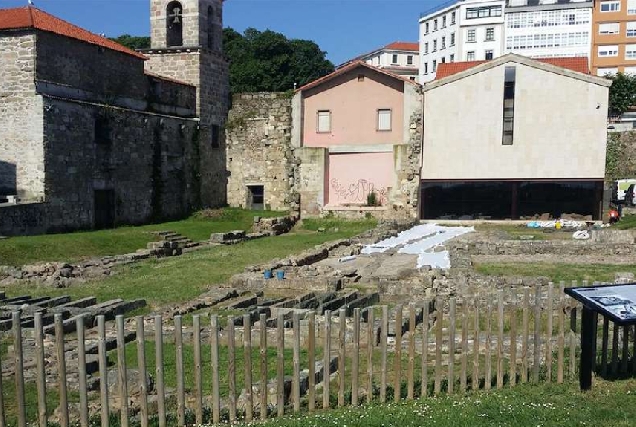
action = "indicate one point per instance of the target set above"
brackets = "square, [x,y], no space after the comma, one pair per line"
[133,42]
[266,61]
[262,61]
[622,93]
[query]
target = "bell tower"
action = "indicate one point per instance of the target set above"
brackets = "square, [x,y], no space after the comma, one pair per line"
[186,39]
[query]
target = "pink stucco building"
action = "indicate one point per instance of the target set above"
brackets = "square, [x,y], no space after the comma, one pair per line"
[356,124]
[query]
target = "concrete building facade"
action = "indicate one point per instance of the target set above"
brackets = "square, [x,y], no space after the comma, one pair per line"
[509,159]
[548,28]
[614,37]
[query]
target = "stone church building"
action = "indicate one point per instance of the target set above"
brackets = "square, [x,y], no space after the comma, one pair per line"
[96,135]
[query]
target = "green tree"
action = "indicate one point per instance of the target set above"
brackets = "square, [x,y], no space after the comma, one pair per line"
[266,61]
[622,93]
[133,42]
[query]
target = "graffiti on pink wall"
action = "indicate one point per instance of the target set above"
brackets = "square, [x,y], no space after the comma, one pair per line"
[357,192]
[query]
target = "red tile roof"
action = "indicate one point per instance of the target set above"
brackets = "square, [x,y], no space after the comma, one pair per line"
[403,46]
[578,64]
[350,66]
[31,17]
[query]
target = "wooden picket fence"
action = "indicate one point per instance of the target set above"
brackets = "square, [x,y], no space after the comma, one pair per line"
[446,345]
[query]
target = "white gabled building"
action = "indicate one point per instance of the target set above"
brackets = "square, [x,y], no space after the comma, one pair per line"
[549,28]
[462,30]
[401,58]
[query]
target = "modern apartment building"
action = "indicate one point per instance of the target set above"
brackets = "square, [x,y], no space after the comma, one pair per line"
[614,37]
[401,58]
[462,30]
[549,28]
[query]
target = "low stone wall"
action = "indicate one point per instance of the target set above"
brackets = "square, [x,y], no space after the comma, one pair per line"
[274,226]
[542,247]
[23,218]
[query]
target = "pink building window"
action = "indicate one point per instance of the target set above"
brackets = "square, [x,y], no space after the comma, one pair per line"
[323,122]
[384,120]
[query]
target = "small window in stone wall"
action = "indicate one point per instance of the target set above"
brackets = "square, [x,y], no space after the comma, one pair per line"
[102,131]
[216,136]
[174,22]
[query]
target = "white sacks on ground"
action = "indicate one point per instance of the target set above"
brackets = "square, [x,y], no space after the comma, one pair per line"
[421,240]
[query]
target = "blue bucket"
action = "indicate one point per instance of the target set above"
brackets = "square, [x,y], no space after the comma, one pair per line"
[280,274]
[267,274]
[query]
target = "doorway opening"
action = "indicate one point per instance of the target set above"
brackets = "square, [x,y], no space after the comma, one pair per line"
[256,197]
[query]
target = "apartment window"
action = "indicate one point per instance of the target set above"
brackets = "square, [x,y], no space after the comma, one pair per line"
[607,71]
[426,68]
[443,42]
[631,7]
[435,25]
[394,59]
[453,15]
[425,48]
[444,22]
[443,60]
[609,28]
[608,51]
[427,27]
[324,121]
[452,40]
[412,78]
[490,34]
[631,29]
[509,105]
[630,51]
[434,65]
[483,12]
[409,60]
[452,57]
[434,45]
[488,55]
[470,36]
[384,119]
[610,6]
[470,55]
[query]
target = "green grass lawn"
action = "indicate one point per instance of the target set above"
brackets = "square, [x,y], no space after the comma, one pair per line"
[178,279]
[626,223]
[609,404]
[556,272]
[87,244]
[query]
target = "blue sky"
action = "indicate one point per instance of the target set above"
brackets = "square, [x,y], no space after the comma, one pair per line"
[343,28]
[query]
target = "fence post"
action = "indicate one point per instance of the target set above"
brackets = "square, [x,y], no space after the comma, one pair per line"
[198,371]
[425,324]
[615,349]
[214,362]
[397,362]
[311,339]
[121,367]
[411,364]
[61,369]
[463,382]
[326,369]
[370,345]
[451,346]
[548,344]
[487,344]
[513,339]
[439,317]
[103,374]
[263,391]
[341,357]
[383,349]
[296,362]
[3,420]
[81,368]
[355,368]
[231,368]
[178,340]
[41,372]
[161,392]
[19,368]
[476,337]
[143,372]
[247,366]
[500,320]
[280,364]
[537,334]
[561,332]
[525,343]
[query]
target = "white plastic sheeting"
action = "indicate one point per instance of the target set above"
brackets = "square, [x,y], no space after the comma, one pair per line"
[421,240]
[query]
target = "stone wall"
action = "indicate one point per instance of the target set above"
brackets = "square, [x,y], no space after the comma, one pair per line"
[150,162]
[312,163]
[21,151]
[258,137]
